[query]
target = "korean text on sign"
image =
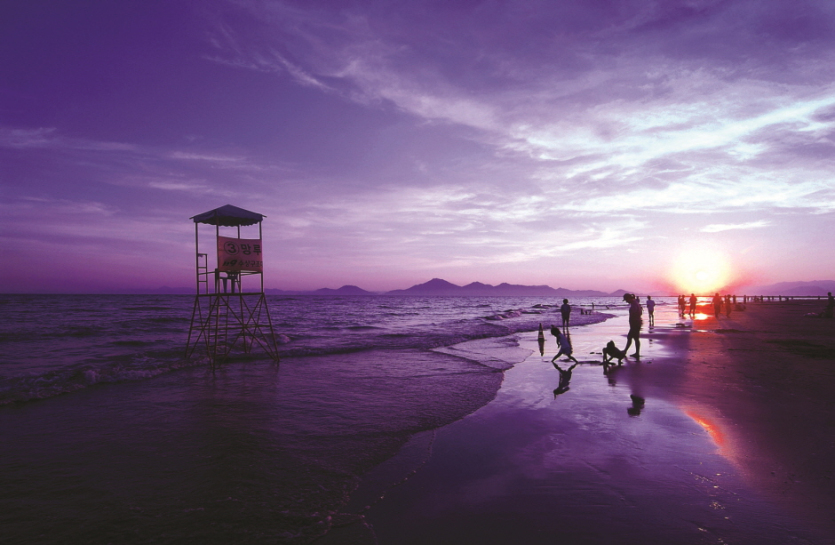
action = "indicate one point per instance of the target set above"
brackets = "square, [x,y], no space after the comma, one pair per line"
[239,254]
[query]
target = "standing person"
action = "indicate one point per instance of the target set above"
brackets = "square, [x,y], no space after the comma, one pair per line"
[728,306]
[830,305]
[682,305]
[635,322]
[692,304]
[651,310]
[564,343]
[717,305]
[565,310]
[540,338]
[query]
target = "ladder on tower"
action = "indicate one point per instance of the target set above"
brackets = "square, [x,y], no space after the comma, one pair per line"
[202,273]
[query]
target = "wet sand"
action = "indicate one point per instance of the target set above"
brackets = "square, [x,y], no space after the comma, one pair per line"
[767,375]
[734,444]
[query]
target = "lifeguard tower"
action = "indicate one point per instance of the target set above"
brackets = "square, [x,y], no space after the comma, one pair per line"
[230,309]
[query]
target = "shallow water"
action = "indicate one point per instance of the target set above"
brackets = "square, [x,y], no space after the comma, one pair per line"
[53,344]
[247,453]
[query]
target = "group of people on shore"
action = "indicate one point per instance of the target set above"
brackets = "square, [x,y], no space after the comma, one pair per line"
[636,312]
[636,321]
[728,301]
[611,352]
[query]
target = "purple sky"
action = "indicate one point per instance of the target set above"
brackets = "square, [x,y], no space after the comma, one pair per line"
[580,144]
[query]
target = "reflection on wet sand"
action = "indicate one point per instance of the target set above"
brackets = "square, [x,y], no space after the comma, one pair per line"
[637,404]
[713,430]
[565,378]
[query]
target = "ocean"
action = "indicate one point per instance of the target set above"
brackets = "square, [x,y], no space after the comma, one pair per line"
[110,436]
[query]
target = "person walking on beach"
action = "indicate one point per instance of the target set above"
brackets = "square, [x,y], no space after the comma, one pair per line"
[540,338]
[635,322]
[692,304]
[717,305]
[565,310]
[830,305]
[728,306]
[651,310]
[682,305]
[564,343]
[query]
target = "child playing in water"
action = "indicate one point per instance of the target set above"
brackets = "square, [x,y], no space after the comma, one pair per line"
[564,343]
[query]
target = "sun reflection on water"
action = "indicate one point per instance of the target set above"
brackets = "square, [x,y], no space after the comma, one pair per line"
[715,433]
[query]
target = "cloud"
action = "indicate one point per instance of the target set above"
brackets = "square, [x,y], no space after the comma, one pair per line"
[719,227]
[49,206]
[601,101]
[51,138]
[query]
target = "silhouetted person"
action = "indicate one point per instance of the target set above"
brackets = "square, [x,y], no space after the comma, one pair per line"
[651,310]
[682,305]
[540,338]
[728,306]
[565,310]
[565,378]
[717,305]
[612,352]
[830,305]
[692,304]
[634,334]
[564,343]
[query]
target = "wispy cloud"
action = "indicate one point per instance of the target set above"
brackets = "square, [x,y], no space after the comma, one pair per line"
[69,207]
[610,122]
[719,227]
[51,138]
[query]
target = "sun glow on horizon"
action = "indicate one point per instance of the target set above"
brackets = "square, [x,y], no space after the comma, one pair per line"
[701,271]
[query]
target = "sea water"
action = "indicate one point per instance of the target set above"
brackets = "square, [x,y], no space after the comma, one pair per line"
[109,435]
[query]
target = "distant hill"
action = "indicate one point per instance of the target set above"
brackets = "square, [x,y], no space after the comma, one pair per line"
[344,290]
[434,288]
[440,287]
[795,289]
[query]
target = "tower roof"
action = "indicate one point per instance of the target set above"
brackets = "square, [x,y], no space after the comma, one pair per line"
[229,216]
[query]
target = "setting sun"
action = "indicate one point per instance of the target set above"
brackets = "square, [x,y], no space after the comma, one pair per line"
[700,270]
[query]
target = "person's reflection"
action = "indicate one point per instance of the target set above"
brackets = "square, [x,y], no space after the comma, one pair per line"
[610,371]
[540,338]
[637,404]
[565,378]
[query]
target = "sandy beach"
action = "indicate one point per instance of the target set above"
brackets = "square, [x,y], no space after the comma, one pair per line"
[767,377]
[733,445]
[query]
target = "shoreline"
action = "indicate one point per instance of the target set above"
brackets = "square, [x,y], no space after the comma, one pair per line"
[728,376]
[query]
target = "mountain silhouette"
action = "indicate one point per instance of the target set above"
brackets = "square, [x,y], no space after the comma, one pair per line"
[440,287]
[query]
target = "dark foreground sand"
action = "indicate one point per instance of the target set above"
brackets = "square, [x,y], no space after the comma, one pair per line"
[529,468]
